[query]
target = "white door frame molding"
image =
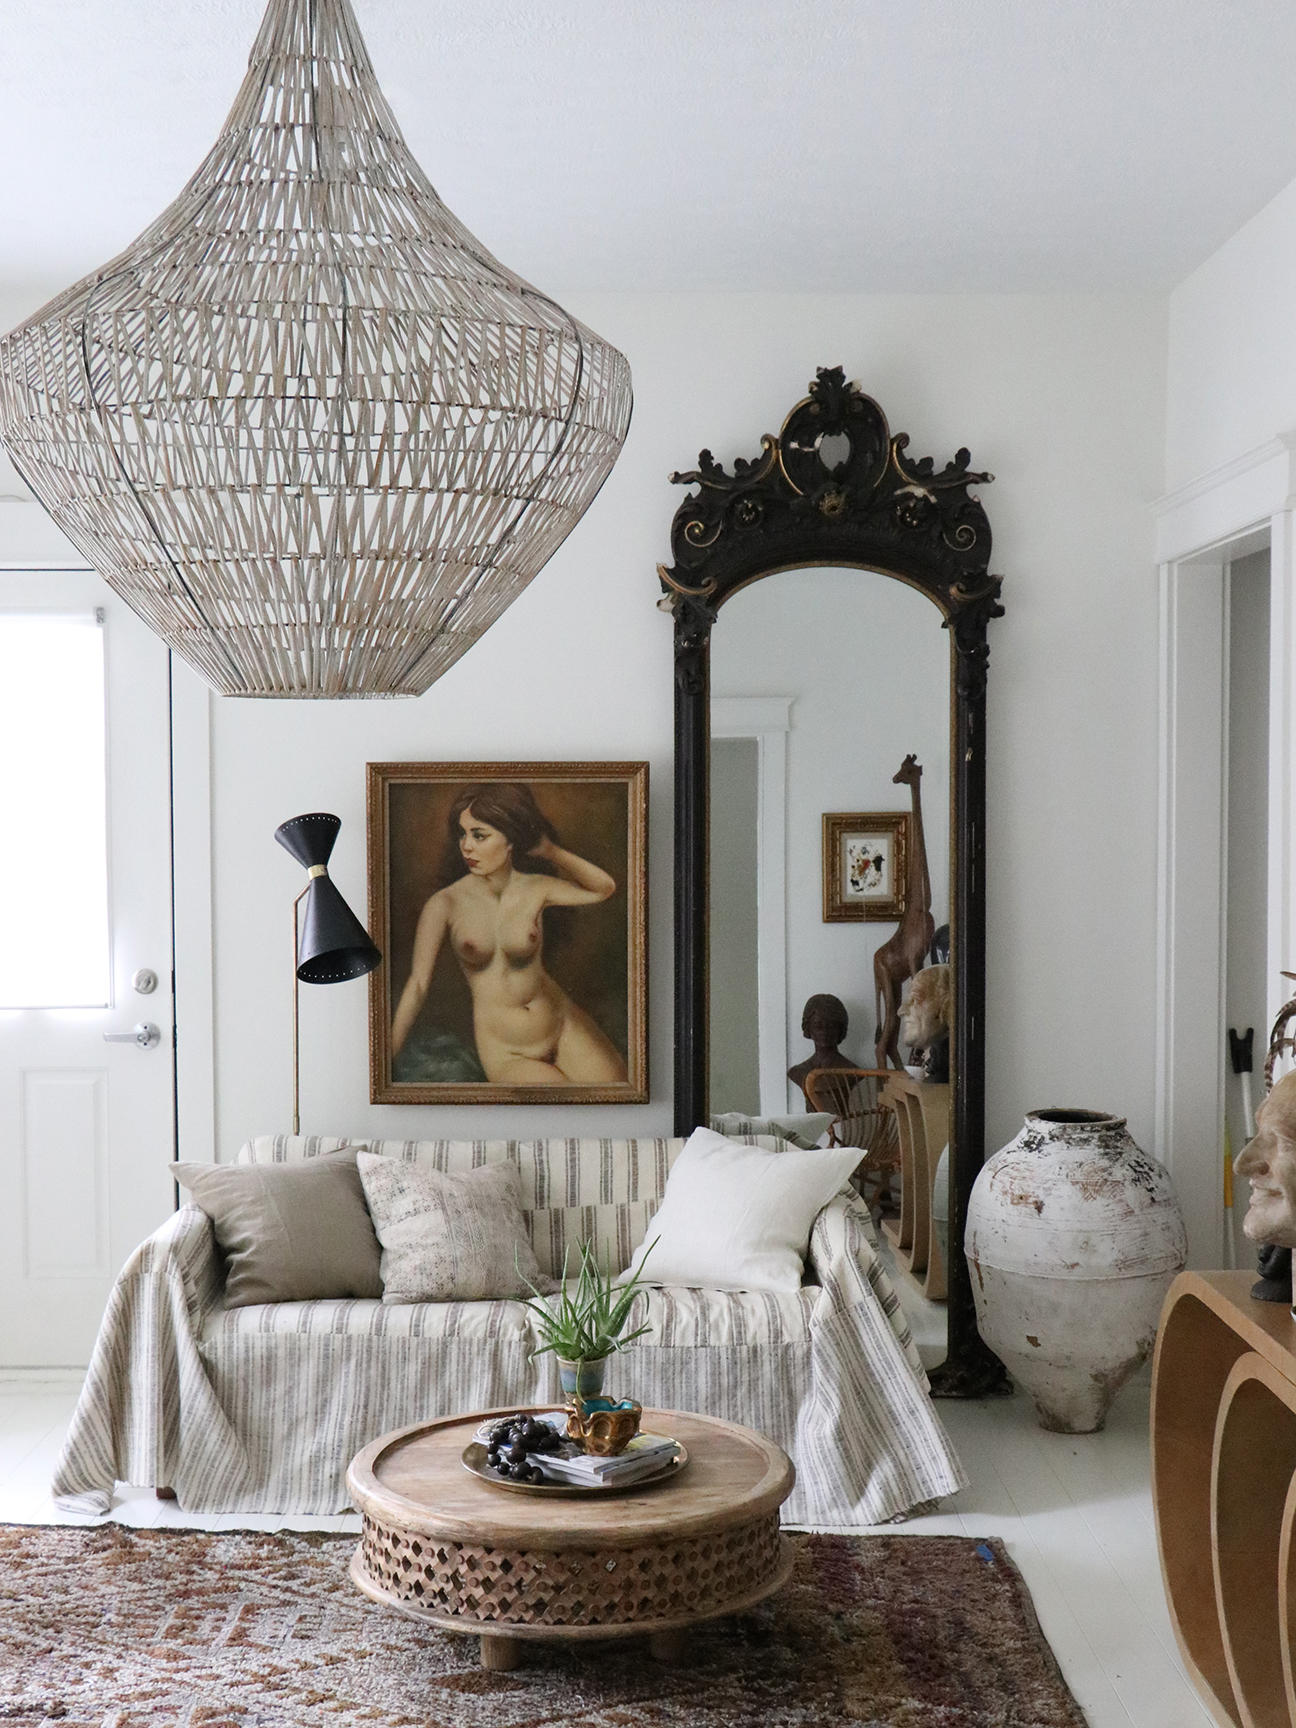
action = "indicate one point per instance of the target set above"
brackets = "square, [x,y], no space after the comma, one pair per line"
[1201,529]
[1282,753]
[191,855]
[767,719]
[1191,888]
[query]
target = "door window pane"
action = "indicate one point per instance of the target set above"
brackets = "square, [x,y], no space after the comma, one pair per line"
[53,812]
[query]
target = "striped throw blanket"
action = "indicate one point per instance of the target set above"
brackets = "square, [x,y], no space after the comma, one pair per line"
[260,1409]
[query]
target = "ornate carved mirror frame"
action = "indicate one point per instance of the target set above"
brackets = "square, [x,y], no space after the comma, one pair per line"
[836,488]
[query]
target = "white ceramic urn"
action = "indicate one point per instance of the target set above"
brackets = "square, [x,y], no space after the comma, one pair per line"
[1073,1238]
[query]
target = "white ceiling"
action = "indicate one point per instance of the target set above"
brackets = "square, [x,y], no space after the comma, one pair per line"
[878,145]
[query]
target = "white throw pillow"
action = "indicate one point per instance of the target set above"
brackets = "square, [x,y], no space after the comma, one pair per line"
[737,1217]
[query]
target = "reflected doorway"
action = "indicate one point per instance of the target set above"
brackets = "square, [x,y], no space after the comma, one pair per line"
[734,927]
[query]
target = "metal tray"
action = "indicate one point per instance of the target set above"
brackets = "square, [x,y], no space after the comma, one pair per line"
[474,1461]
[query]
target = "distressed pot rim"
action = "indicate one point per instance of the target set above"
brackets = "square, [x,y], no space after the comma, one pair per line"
[1048,1117]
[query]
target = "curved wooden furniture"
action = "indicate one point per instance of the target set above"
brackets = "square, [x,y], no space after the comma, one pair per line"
[922,1112]
[860,1117]
[1224,1491]
[445,1547]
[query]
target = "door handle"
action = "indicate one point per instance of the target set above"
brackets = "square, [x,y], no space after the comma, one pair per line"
[144,1034]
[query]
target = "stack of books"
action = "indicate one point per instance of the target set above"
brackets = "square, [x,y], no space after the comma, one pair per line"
[645,1455]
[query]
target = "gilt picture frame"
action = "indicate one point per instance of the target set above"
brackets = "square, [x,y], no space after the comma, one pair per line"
[865,856]
[510,903]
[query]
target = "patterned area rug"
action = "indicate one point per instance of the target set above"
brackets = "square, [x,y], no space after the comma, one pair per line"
[114,1628]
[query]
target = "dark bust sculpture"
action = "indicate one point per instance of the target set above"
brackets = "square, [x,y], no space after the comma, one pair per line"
[825,1022]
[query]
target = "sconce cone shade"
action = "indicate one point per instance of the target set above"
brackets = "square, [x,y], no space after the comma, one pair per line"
[310,838]
[333,944]
[306,426]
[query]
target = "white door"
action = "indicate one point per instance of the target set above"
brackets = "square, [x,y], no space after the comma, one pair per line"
[86,1126]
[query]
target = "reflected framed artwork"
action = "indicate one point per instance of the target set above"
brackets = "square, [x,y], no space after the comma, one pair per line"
[865,853]
[510,902]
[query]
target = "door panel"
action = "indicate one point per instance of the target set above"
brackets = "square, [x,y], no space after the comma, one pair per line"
[64,1115]
[86,1127]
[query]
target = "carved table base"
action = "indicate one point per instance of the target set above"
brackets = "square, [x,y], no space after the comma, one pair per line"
[446,1548]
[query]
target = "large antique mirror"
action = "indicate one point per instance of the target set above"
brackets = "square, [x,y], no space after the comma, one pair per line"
[836,559]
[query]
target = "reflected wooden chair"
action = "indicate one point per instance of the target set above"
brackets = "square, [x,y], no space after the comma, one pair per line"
[922,1116]
[860,1117]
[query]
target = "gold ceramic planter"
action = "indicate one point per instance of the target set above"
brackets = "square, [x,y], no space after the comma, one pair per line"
[603,1427]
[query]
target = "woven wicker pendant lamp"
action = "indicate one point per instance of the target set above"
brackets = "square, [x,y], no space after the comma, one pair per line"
[306,426]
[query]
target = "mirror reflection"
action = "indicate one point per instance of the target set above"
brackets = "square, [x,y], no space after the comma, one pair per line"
[830,876]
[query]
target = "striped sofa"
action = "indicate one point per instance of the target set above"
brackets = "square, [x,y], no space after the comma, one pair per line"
[260,1409]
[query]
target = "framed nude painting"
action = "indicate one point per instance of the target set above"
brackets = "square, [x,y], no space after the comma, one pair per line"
[509,900]
[864,859]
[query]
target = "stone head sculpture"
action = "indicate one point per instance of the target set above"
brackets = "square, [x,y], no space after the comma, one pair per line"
[1269,1163]
[926,1013]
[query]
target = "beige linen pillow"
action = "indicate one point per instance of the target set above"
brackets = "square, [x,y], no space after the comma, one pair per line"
[450,1238]
[737,1217]
[289,1232]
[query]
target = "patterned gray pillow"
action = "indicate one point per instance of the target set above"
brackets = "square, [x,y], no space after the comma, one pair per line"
[803,1131]
[449,1238]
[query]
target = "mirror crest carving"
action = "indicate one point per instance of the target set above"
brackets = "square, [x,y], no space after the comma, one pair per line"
[870,506]
[837,488]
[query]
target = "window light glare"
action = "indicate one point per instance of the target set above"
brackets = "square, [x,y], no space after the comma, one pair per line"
[53,812]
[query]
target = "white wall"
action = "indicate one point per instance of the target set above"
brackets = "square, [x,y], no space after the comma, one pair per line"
[1230,450]
[27,536]
[868,666]
[1062,399]
[1231,374]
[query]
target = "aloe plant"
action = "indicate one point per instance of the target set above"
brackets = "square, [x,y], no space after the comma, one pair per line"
[586,1325]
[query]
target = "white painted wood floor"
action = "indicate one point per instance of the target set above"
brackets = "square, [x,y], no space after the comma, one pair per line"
[1075,1512]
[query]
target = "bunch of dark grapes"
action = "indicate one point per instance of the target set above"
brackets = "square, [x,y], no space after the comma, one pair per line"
[511,1442]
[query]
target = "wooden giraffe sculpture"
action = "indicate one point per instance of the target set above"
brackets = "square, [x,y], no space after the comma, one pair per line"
[904,954]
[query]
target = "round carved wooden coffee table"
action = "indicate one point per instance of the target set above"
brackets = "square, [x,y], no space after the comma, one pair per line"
[445,1547]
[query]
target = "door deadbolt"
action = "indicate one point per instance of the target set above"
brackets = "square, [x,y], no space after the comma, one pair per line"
[145,981]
